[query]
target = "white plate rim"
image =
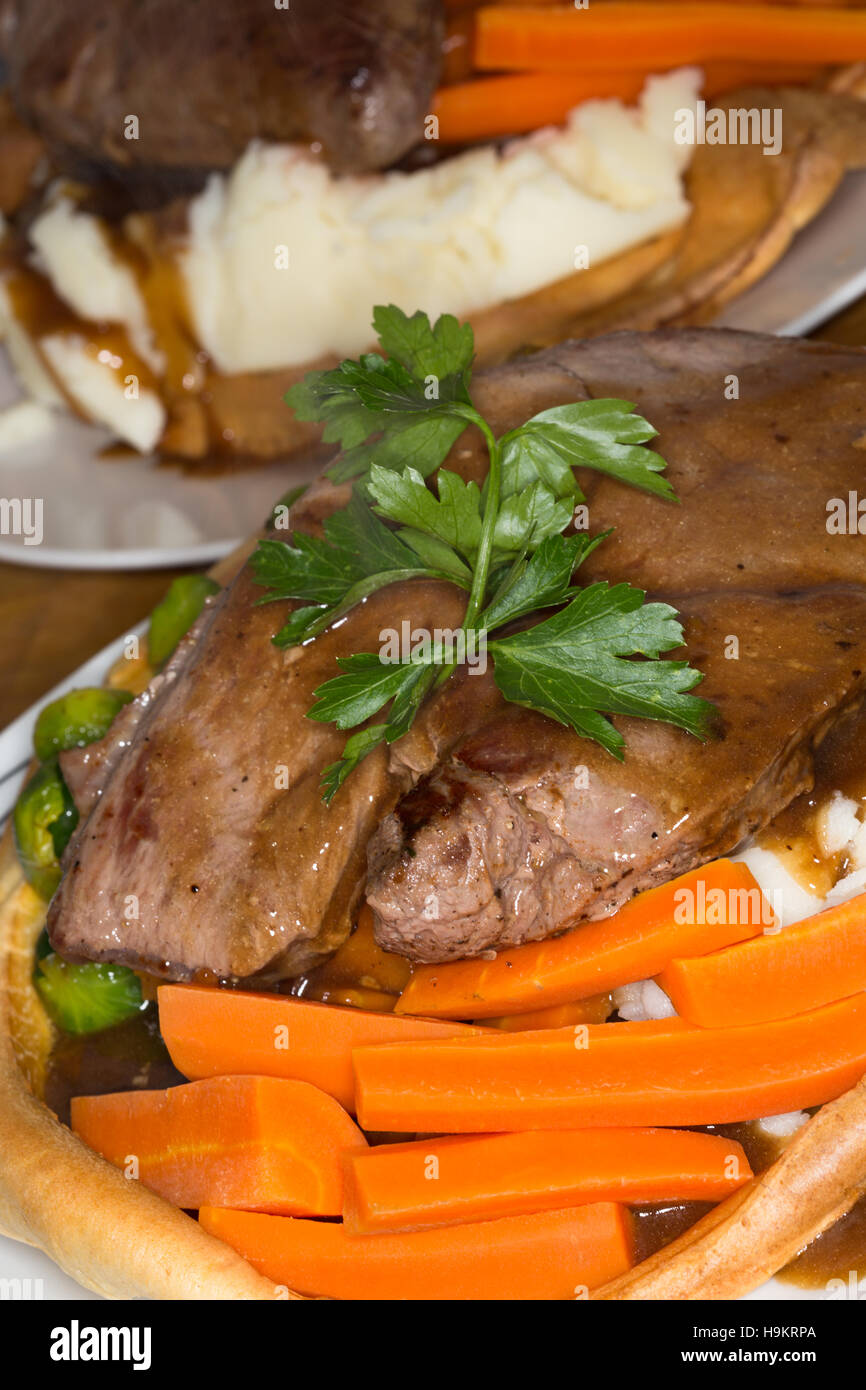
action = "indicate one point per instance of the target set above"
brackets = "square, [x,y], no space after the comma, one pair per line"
[47,557]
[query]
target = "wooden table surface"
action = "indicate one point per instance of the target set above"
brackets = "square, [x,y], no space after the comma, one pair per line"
[53,620]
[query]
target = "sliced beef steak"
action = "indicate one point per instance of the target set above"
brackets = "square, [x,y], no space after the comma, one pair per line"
[529,829]
[86,770]
[504,842]
[205,846]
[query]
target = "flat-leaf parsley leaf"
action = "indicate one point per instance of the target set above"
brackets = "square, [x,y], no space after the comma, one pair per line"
[396,414]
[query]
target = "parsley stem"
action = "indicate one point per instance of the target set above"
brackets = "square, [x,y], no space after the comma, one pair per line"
[478,592]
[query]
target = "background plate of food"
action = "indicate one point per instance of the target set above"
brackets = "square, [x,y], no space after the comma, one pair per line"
[167,274]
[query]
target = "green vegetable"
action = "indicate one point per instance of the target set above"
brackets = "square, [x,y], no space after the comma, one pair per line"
[87,998]
[396,417]
[43,821]
[416,401]
[173,617]
[358,555]
[78,718]
[578,662]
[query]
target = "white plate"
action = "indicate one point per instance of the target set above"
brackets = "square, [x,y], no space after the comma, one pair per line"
[128,512]
[132,513]
[37,1276]
[823,272]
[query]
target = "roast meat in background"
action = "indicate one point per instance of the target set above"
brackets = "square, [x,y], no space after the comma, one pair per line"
[206,77]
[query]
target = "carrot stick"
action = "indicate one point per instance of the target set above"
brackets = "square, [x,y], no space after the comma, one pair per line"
[596,1009]
[520,102]
[486,107]
[457,49]
[722,899]
[677,1076]
[443,1182]
[545,1256]
[563,39]
[804,966]
[218,1032]
[252,1142]
[585,1032]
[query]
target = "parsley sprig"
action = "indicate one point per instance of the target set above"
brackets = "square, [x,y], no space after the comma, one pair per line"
[395,418]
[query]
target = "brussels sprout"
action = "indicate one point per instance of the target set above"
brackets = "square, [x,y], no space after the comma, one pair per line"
[43,821]
[77,718]
[87,998]
[173,617]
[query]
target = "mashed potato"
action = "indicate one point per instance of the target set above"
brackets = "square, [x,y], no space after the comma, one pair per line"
[281,261]
[284,261]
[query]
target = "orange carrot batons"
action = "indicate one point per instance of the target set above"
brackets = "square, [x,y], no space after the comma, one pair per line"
[519,102]
[790,972]
[701,911]
[622,35]
[597,1008]
[217,1032]
[550,1255]
[252,1142]
[613,1074]
[514,103]
[442,1182]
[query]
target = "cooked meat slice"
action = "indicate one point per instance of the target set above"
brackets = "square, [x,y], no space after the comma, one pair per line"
[755,471]
[205,77]
[528,828]
[760,434]
[86,770]
[209,848]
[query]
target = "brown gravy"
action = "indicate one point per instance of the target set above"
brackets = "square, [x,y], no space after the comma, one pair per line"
[840,765]
[42,313]
[222,423]
[831,1255]
[840,1253]
[657,1225]
[131,1056]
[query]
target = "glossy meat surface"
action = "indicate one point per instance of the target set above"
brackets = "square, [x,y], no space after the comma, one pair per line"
[487,824]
